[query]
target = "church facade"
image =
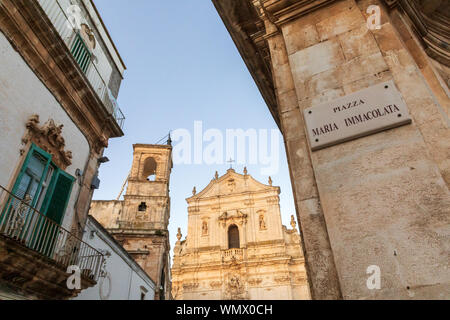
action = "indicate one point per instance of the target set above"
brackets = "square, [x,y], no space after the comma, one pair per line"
[236,246]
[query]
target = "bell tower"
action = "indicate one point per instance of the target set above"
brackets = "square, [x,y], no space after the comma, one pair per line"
[142,226]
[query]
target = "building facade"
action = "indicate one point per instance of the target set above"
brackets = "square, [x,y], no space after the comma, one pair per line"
[236,246]
[59,80]
[121,277]
[380,200]
[140,222]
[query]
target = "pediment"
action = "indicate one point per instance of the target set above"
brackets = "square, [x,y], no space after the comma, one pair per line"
[231,183]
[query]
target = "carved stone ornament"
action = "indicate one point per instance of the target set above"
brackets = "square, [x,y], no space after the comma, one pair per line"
[235,216]
[293,222]
[215,284]
[49,138]
[235,288]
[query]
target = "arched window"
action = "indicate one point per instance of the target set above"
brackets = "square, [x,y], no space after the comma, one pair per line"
[233,237]
[149,171]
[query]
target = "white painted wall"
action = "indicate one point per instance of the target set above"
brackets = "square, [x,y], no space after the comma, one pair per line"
[22,95]
[126,276]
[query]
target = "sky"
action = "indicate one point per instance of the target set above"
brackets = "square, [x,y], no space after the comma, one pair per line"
[182,67]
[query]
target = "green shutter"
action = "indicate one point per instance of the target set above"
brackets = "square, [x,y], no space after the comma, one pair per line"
[81,53]
[54,208]
[30,164]
[58,196]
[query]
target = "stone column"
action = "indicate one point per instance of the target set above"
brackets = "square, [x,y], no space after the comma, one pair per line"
[322,275]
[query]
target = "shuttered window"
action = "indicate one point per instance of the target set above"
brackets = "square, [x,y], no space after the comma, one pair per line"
[233,237]
[58,197]
[47,186]
[32,175]
[81,53]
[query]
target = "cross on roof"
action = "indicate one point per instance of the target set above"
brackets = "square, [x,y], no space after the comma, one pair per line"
[231,161]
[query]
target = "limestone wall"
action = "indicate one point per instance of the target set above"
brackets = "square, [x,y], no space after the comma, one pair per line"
[381,200]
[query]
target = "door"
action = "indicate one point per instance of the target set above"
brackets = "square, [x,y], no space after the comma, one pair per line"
[16,216]
[54,207]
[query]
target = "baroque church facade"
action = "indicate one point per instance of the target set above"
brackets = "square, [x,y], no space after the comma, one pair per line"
[237,247]
[140,221]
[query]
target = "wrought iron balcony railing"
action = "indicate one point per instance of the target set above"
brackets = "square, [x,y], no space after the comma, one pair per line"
[82,56]
[25,225]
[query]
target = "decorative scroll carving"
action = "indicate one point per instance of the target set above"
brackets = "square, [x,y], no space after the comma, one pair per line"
[273,200]
[215,284]
[231,183]
[49,138]
[255,282]
[190,286]
[249,202]
[236,217]
[282,279]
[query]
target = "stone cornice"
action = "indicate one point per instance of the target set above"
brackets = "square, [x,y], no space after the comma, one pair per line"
[286,10]
[30,31]
[431,22]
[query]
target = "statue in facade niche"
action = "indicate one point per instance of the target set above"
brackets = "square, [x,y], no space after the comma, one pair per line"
[262,223]
[205,228]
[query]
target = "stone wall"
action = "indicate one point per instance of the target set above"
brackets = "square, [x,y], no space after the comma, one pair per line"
[383,199]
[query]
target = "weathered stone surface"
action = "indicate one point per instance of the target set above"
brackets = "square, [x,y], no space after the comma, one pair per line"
[358,42]
[340,23]
[316,59]
[307,37]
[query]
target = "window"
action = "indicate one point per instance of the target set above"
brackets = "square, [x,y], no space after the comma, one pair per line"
[149,171]
[142,207]
[233,237]
[144,292]
[81,53]
[47,187]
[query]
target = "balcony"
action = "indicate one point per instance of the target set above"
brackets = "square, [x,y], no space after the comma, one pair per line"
[35,252]
[83,56]
[232,254]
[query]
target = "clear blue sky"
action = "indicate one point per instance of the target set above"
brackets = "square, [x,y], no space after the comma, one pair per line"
[182,67]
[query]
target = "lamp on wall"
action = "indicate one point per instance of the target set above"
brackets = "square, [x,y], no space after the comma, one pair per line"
[103,160]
